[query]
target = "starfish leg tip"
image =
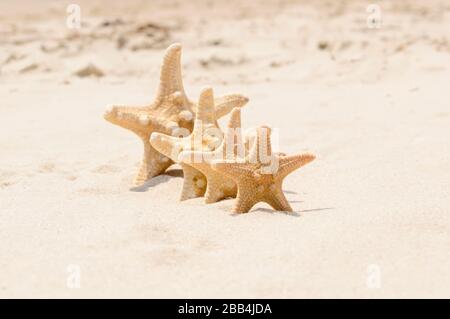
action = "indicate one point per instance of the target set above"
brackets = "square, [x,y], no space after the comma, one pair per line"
[108,112]
[244,100]
[175,47]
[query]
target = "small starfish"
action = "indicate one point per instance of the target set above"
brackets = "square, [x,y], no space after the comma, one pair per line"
[171,111]
[259,178]
[219,185]
[205,136]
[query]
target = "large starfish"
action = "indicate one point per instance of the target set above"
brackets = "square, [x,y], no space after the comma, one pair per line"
[219,185]
[205,135]
[170,112]
[259,178]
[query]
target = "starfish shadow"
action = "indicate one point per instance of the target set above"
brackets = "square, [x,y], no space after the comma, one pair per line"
[290,192]
[273,211]
[314,210]
[296,213]
[157,180]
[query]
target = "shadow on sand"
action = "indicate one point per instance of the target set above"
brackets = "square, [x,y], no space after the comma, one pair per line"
[157,180]
[296,213]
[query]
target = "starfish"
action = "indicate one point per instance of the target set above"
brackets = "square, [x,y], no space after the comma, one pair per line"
[259,178]
[219,185]
[170,112]
[205,136]
[250,137]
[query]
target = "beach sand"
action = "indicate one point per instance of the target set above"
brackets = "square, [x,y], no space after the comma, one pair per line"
[371,212]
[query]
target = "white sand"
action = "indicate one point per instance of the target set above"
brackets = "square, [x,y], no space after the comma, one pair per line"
[373,105]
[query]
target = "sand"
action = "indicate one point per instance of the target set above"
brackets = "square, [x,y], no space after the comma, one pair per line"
[371,212]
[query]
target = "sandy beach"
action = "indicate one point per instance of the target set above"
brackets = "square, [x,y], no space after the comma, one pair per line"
[371,214]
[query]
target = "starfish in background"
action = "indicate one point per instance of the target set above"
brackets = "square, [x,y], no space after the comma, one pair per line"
[170,112]
[259,178]
[205,136]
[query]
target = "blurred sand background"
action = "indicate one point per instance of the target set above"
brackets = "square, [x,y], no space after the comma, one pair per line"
[372,103]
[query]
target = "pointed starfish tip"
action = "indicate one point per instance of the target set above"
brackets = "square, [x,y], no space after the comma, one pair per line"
[175,47]
[108,112]
[309,157]
[155,136]
[206,92]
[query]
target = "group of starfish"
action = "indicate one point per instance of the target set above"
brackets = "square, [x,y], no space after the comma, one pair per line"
[215,164]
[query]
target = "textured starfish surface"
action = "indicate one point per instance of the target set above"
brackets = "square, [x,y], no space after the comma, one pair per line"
[170,112]
[206,136]
[259,178]
[219,185]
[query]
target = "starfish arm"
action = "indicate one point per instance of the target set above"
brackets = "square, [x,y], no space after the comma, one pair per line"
[278,201]
[202,159]
[198,159]
[226,103]
[219,187]
[205,112]
[194,183]
[288,164]
[139,120]
[233,169]
[261,150]
[168,145]
[245,200]
[232,145]
[235,119]
[124,116]
[153,164]
[170,76]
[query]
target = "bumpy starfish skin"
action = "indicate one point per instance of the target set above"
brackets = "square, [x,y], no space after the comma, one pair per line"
[205,135]
[219,185]
[259,179]
[170,112]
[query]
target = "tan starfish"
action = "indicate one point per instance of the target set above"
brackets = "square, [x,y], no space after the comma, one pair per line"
[260,177]
[219,185]
[205,135]
[170,112]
